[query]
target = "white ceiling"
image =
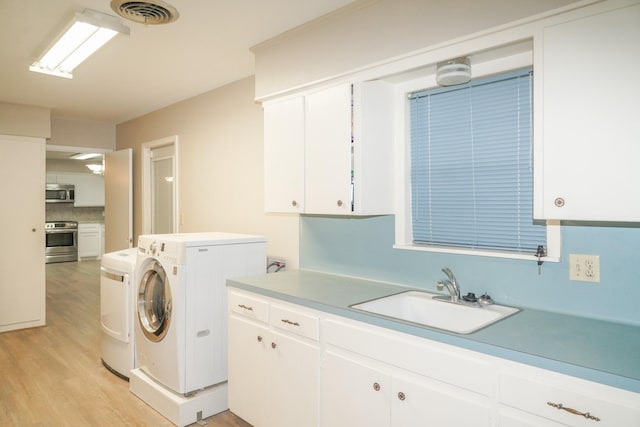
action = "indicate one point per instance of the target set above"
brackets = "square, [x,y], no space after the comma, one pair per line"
[155,66]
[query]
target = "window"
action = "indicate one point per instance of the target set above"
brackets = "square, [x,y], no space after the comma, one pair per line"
[471,167]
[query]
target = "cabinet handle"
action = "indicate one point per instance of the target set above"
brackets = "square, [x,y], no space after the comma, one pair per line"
[376,386]
[245,307]
[294,203]
[289,322]
[560,406]
[559,202]
[401,396]
[259,338]
[339,203]
[273,345]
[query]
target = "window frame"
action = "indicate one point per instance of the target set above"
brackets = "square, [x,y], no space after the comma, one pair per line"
[402,131]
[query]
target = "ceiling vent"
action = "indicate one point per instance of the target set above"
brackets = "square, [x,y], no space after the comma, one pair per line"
[154,12]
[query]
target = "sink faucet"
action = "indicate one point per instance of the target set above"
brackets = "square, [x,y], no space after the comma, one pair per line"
[451,284]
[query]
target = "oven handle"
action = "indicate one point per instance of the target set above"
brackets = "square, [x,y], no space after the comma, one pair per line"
[61,230]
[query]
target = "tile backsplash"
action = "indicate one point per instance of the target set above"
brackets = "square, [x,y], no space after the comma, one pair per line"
[66,212]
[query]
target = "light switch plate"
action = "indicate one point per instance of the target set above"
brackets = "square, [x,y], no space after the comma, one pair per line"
[584,268]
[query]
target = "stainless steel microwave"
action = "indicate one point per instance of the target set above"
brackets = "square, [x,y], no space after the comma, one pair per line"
[60,193]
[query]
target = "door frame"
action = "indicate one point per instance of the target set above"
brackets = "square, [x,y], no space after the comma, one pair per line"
[147,148]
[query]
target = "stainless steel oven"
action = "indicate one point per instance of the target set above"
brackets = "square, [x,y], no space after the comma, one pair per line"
[61,241]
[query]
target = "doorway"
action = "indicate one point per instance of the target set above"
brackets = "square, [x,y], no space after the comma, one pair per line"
[159,183]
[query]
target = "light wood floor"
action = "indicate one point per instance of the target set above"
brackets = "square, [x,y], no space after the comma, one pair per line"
[53,376]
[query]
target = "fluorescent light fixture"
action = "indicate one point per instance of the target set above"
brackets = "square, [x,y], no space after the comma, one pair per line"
[95,168]
[87,33]
[85,156]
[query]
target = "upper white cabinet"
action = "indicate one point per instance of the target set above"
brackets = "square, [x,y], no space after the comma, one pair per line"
[590,130]
[330,151]
[89,188]
[284,156]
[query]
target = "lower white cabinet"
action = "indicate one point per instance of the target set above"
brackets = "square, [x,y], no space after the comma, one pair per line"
[509,417]
[294,366]
[360,392]
[273,374]
[89,240]
[558,399]
[354,392]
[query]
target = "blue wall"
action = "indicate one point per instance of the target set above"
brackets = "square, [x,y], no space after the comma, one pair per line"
[362,247]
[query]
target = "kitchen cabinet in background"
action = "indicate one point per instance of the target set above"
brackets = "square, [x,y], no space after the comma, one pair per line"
[89,240]
[89,191]
[589,148]
[330,151]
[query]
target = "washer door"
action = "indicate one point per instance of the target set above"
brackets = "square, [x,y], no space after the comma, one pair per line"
[154,302]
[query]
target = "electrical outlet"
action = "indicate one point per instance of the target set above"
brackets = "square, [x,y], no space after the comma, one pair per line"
[275,264]
[584,268]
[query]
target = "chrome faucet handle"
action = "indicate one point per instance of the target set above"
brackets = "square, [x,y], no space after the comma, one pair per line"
[452,279]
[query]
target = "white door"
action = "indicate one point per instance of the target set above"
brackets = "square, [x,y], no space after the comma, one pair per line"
[159,186]
[162,190]
[22,266]
[118,207]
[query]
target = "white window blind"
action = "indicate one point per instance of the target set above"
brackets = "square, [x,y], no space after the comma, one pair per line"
[471,165]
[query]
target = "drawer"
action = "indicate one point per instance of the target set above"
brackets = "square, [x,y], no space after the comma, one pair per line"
[452,365]
[585,403]
[248,306]
[294,320]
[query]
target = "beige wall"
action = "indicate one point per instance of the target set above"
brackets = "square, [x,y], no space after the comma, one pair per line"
[23,120]
[220,168]
[369,32]
[82,133]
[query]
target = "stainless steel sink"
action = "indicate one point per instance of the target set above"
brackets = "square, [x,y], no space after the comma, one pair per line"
[431,310]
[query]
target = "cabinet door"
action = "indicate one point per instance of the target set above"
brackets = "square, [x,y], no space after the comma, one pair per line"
[353,393]
[22,287]
[328,151]
[590,119]
[284,156]
[293,389]
[248,370]
[437,404]
[89,190]
[89,240]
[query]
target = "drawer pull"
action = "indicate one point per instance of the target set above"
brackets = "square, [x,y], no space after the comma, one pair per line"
[376,386]
[273,345]
[245,307]
[573,411]
[289,322]
[259,338]
[401,396]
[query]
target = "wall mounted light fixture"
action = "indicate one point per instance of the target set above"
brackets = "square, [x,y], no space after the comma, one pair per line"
[88,31]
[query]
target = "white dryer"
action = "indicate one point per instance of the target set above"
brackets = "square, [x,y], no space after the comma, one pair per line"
[117,292]
[181,327]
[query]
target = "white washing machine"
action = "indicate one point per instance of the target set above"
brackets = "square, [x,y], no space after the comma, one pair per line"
[181,323]
[117,292]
